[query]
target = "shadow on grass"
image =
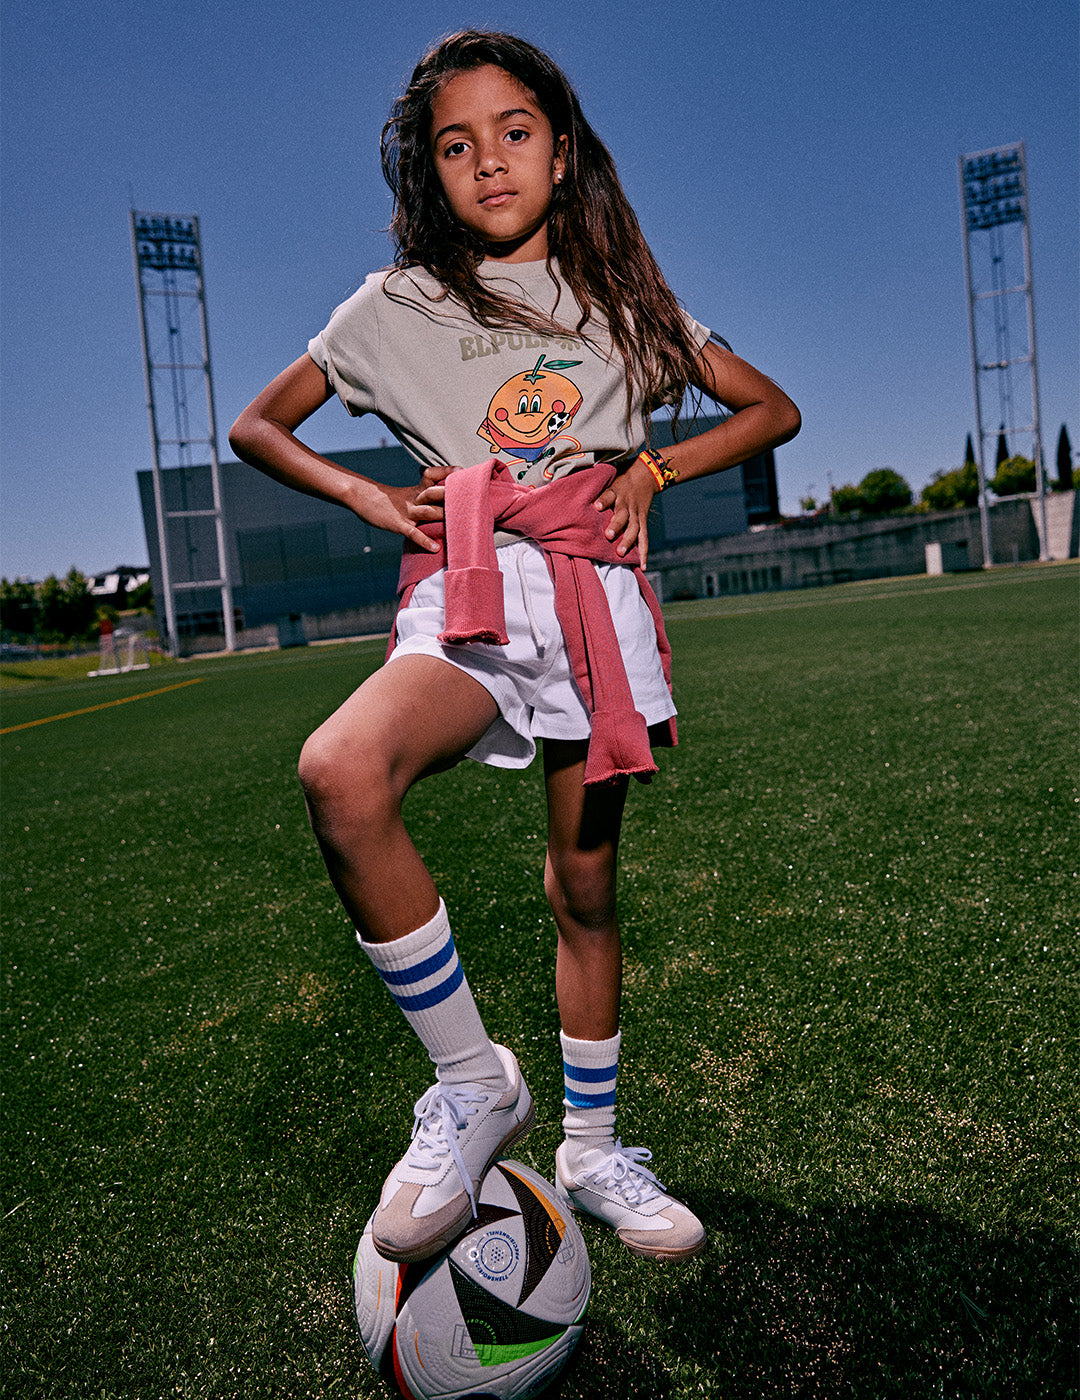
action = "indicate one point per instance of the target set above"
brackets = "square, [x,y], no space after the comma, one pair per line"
[830,1303]
[605,1366]
[851,1301]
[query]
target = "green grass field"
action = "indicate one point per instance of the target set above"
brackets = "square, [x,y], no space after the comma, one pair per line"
[19,675]
[850,1029]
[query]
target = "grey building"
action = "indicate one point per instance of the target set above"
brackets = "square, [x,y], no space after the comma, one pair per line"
[713,506]
[294,557]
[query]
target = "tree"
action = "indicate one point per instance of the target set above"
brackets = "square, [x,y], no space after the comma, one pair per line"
[846,500]
[951,490]
[1002,451]
[883,491]
[878,493]
[50,597]
[967,484]
[142,597]
[1064,480]
[81,608]
[66,607]
[18,606]
[1013,477]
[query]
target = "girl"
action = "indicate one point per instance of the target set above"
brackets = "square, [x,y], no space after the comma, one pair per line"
[524,322]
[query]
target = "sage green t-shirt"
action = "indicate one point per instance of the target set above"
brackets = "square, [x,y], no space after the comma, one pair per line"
[455,393]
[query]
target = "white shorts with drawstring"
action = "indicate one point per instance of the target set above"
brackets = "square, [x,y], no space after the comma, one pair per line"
[531,679]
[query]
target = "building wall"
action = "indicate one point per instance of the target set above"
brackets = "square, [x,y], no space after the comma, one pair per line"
[712,506]
[303,568]
[289,554]
[293,556]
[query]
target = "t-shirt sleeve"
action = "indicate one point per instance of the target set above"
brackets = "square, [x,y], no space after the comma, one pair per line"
[699,338]
[347,351]
[699,334]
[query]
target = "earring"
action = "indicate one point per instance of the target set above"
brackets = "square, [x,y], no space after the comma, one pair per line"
[558,179]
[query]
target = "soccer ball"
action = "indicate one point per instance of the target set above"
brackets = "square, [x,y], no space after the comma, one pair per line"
[495,1316]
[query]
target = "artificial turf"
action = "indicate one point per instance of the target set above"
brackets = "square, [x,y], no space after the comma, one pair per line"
[850,1013]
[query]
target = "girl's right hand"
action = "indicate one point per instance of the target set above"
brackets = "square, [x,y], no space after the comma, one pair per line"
[265,436]
[402,509]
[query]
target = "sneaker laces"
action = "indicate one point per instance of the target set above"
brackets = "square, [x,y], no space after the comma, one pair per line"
[624,1172]
[439,1116]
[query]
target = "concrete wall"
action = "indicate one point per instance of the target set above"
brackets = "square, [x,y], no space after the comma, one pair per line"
[800,553]
[814,552]
[1062,524]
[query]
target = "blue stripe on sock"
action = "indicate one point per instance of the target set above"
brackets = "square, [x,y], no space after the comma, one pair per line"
[578,1100]
[589,1076]
[423,1000]
[421,969]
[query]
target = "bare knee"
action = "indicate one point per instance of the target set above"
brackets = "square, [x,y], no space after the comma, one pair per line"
[344,782]
[317,768]
[580,886]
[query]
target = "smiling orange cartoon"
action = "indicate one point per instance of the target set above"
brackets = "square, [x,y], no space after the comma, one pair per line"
[530,409]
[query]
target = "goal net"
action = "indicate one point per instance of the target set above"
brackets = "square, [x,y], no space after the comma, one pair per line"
[122,650]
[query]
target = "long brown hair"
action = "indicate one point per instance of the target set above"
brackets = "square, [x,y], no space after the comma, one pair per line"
[592,230]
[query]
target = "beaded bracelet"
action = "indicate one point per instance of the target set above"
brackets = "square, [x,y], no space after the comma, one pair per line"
[663,472]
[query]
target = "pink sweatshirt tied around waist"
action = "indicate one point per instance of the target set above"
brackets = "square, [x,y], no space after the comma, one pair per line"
[562,519]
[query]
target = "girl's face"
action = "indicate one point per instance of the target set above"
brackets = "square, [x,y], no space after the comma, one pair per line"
[497,160]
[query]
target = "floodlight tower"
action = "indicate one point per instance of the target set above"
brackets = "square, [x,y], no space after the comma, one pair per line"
[176,355]
[1001,313]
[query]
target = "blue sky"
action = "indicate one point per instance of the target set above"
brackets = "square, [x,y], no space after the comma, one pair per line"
[793,166]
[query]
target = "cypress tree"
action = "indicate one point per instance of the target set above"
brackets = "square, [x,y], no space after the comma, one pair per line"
[1064,461]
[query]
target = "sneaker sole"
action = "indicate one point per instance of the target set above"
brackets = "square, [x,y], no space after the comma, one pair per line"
[660,1254]
[416,1253]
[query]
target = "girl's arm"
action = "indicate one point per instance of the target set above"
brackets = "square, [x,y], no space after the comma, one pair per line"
[264,436]
[762,416]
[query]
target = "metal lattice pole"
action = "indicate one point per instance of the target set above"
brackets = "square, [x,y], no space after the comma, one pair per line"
[169,278]
[997,274]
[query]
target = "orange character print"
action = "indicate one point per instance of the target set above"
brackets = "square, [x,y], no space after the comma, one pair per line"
[531,409]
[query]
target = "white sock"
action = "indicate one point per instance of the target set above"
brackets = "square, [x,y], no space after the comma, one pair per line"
[590,1068]
[425,978]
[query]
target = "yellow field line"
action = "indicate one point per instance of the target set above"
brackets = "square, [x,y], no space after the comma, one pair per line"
[125,700]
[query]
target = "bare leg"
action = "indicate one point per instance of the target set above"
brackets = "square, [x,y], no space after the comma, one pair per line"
[416,715]
[595,1173]
[579,878]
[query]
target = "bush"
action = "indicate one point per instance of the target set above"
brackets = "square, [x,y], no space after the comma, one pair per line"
[1015,476]
[846,500]
[878,493]
[952,490]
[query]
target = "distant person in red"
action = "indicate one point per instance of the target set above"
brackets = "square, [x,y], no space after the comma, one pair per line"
[524,315]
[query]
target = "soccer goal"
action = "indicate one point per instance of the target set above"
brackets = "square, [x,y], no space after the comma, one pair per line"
[122,650]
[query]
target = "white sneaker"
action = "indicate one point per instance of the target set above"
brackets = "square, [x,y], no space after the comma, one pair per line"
[460,1129]
[616,1187]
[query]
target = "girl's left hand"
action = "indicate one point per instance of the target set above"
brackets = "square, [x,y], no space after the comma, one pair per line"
[628,498]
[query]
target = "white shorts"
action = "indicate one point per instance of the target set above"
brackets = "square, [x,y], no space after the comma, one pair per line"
[531,679]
